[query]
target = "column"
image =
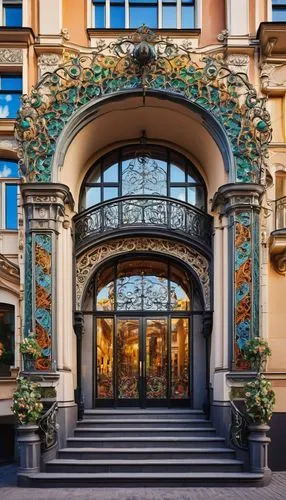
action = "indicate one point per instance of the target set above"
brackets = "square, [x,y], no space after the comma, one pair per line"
[240,205]
[44,215]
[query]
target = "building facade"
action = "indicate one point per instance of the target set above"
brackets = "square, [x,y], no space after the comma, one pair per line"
[143,237]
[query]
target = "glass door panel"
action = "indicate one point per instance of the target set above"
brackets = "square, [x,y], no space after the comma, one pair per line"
[180,384]
[156,378]
[127,361]
[104,358]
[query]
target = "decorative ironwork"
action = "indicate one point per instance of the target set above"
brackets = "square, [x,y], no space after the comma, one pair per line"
[239,428]
[43,298]
[143,175]
[147,61]
[142,292]
[143,211]
[90,259]
[48,428]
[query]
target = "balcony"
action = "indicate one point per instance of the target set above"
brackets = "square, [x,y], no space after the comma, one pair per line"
[152,215]
[277,245]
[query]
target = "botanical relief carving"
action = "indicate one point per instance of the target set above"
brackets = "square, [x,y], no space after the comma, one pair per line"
[9,144]
[238,63]
[48,63]
[9,270]
[87,262]
[273,75]
[12,56]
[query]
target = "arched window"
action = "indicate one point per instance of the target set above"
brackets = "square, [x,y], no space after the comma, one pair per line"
[9,180]
[7,333]
[146,170]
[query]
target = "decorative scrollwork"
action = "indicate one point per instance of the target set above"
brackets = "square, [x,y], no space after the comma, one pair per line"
[89,260]
[143,211]
[239,428]
[143,60]
[49,428]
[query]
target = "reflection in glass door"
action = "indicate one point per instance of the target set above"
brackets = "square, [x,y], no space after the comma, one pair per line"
[156,358]
[127,361]
[143,360]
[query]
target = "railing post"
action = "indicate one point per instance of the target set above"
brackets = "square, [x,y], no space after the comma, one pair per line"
[78,328]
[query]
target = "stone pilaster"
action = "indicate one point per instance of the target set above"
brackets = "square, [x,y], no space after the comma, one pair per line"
[44,213]
[240,203]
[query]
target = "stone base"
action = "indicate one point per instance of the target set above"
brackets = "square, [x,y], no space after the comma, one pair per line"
[66,419]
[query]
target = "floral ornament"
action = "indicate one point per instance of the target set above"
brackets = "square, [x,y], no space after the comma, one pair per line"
[27,404]
[257,350]
[30,347]
[259,400]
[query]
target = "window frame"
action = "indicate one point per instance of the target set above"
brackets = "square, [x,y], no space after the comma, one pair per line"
[118,154]
[18,92]
[196,4]
[2,12]
[8,181]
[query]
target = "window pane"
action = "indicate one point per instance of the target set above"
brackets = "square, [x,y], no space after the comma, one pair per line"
[117,16]
[143,15]
[279,2]
[177,174]
[109,193]
[7,329]
[12,15]
[11,206]
[279,14]
[111,174]
[9,105]
[179,193]
[169,16]
[92,196]
[11,82]
[99,15]
[188,16]
[8,168]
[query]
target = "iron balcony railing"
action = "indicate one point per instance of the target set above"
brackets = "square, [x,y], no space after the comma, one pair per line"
[143,212]
[280,213]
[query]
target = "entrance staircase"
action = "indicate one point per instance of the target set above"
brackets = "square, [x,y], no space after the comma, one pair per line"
[150,447]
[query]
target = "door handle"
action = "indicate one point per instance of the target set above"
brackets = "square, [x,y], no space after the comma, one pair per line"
[140,368]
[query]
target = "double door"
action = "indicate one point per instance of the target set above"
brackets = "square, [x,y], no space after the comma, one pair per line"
[143,361]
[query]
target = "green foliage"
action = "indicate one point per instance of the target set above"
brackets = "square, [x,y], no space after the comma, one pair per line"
[27,404]
[30,347]
[259,400]
[257,351]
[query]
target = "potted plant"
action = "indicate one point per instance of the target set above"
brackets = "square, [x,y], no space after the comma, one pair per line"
[27,408]
[31,351]
[259,402]
[256,351]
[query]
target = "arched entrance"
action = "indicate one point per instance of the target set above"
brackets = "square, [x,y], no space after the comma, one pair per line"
[139,325]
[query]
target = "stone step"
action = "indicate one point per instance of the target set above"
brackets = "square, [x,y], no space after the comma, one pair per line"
[166,465]
[143,431]
[145,442]
[131,480]
[145,413]
[143,453]
[142,422]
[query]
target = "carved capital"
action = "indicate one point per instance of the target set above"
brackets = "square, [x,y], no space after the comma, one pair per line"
[45,205]
[231,197]
[238,63]
[48,63]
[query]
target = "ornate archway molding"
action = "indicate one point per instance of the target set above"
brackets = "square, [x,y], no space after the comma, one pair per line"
[143,60]
[88,262]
